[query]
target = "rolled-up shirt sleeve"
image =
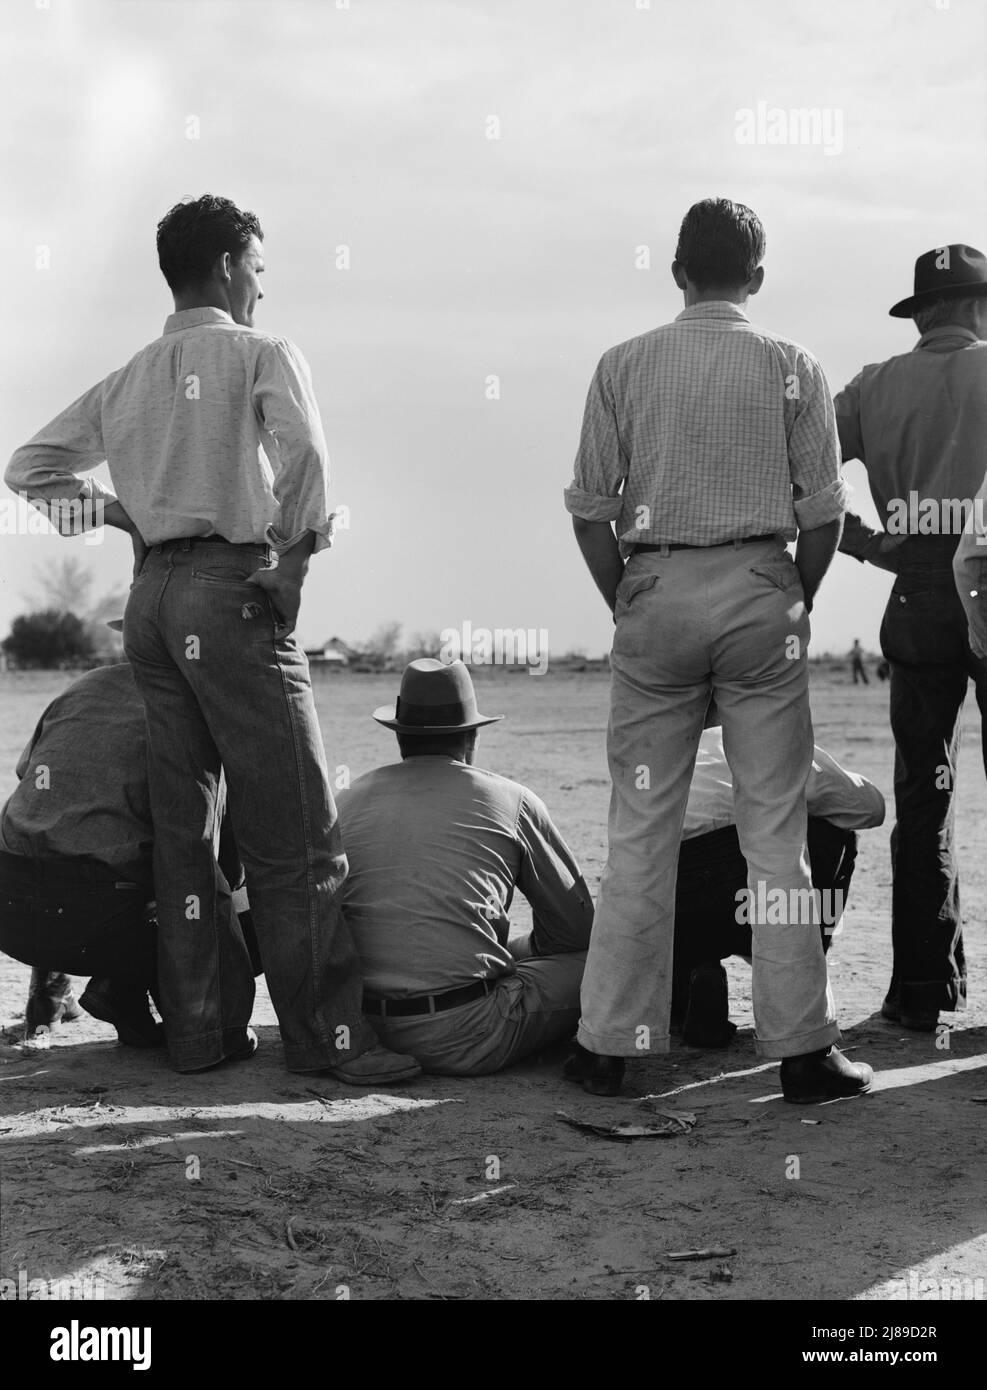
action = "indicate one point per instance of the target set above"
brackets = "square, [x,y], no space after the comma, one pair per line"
[601,464]
[284,400]
[47,469]
[819,492]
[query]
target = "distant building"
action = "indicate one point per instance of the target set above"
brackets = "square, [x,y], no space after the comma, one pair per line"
[335,652]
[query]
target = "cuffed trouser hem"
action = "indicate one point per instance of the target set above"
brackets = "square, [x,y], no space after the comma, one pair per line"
[919,996]
[206,1049]
[618,1045]
[800,1044]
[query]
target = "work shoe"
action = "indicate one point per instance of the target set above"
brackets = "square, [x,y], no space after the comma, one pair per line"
[823,1075]
[379,1066]
[130,1015]
[707,1022]
[918,1019]
[599,1075]
[50,1000]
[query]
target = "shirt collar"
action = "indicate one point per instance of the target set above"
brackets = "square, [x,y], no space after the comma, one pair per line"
[714,309]
[190,318]
[946,337]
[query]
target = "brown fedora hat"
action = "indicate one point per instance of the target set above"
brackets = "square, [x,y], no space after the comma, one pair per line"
[947,272]
[436,698]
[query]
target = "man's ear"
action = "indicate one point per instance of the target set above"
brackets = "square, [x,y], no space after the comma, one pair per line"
[221,268]
[679,276]
[756,280]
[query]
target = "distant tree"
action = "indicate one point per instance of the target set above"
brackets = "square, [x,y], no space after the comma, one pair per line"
[427,643]
[382,647]
[48,638]
[63,586]
[66,586]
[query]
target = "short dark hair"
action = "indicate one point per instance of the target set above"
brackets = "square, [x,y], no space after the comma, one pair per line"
[195,232]
[933,313]
[436,745]
[720,243]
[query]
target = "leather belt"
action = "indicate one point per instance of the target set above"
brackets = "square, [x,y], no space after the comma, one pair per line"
[676,545]
[426,1003]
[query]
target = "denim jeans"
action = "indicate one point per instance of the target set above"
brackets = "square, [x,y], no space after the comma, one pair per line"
[924,637]
[222,695]
[74,917]
[728,620]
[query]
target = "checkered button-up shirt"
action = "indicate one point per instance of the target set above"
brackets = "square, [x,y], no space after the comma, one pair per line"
[708,430]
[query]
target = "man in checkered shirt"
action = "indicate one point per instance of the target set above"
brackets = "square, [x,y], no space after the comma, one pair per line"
[710,444]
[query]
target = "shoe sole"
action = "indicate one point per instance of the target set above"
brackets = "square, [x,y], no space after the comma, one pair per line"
[819,1098]
[388,1079]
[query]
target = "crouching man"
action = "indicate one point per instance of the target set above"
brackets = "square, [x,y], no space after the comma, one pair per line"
[76,850]
[76,892]
[436,848]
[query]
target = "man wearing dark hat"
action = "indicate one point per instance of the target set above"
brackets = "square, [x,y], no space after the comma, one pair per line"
[918,423]
[436,848]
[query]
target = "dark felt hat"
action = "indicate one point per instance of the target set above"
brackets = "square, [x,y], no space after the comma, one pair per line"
[947,272]
[436,698]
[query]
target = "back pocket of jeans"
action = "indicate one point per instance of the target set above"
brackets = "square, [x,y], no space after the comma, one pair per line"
[221,575]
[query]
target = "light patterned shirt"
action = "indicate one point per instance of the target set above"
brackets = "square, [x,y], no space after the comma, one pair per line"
[706,430]
[212,429]
[843,798]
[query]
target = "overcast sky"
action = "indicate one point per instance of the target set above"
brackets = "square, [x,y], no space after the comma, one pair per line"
[366,126]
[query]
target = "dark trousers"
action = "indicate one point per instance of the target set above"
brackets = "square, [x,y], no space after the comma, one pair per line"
[924,637]
[75,917]
[712,872]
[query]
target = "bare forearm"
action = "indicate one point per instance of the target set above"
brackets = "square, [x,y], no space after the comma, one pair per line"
[598,544]
[293,563]
[814,551]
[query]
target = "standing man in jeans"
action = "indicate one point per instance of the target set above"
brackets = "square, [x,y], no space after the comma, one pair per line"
[918,423]
[219,469]
[710,443]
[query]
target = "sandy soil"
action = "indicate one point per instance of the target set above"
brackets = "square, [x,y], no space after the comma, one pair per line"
[252,1183]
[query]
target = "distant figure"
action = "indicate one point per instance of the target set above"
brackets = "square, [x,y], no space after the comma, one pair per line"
[857,663]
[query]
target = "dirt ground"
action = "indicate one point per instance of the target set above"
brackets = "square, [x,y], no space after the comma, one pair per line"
[249,1182]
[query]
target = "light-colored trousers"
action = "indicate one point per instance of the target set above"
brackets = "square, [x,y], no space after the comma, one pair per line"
[728,620]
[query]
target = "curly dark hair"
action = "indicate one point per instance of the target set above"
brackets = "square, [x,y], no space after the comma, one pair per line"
[721,244]
[195,232]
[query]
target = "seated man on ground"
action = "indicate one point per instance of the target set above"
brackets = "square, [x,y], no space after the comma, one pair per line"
[710,897]
[76,886]
[436,848]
